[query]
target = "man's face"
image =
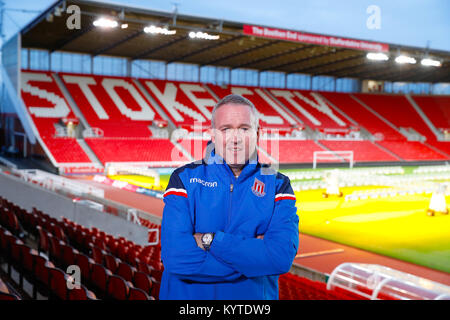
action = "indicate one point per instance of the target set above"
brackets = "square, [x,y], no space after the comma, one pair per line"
[234,134]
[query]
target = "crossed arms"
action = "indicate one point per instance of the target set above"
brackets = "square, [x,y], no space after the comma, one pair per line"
[231,256]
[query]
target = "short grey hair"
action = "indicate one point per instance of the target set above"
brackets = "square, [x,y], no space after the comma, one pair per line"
[236,99]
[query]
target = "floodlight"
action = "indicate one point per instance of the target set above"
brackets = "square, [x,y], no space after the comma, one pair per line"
[405,59]
[430,62]
[105,23]
[377,56]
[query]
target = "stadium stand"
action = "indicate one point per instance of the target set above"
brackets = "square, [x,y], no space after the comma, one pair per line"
[412,150]
[113,104]
[436,109]
[312,109]
[121,110]
[363,150]
[292,151]
[364,117]
[186,103]
[134,149]
[195,147]
[271,114]
[64,243]
[47,107]
[397,110]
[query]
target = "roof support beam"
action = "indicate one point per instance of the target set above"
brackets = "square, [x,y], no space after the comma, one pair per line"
[60,44]
[118,43]
[290,51]
[214,45]
[319,66]
[263,45]
[153,50]
[282,65]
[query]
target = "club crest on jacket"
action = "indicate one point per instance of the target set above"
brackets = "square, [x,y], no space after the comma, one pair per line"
[258,188]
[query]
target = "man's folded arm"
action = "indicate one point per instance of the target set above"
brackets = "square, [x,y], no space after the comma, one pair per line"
[272,255]
[179,250]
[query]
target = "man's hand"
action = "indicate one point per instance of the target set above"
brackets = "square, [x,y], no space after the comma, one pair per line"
[198,239]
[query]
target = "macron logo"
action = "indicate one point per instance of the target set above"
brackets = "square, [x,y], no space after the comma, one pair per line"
[205,183]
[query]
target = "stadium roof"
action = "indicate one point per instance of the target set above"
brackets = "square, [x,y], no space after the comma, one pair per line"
[234,49]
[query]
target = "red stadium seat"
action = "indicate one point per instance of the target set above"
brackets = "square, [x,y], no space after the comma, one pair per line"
[138,294]
[111,262]
[99,279]
[56,253]
[118,288]
[41,270]
[81,293]
[125,271]
[143,281]
[97,254]
[43,244]
[8,297]
[84,262]
[68,254]
[58,283]
[144,267]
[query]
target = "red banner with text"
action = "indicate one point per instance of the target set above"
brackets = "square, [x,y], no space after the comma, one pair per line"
[331,41]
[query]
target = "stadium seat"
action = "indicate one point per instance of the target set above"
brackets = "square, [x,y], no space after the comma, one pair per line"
[8,297]
[29,258]
[81,293]
[7,243]
[111,262]
[68,254]
[58,283]
[138,294]
[55,250]
[143,266]
[97,254]
[43,242]
[18,251]
[121,252]
[125,271]
[118,288]
[99,279]
[41,270]
[84,262]
[143,281]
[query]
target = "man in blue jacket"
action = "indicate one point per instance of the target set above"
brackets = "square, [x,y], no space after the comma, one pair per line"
[230,225]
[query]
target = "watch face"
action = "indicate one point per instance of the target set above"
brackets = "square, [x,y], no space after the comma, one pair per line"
[207,238]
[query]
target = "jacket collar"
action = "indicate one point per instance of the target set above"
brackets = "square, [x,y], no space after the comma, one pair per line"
[211,158]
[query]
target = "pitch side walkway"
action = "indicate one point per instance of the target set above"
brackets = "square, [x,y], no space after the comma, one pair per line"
[314,253]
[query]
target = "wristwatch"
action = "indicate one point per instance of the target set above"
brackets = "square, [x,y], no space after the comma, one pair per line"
[207,239]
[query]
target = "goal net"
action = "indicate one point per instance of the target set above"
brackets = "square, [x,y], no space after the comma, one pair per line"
[332,156]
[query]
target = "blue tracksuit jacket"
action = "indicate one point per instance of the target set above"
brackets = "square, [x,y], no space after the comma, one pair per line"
[206,197]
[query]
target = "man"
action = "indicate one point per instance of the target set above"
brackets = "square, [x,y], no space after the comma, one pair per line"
[229,225]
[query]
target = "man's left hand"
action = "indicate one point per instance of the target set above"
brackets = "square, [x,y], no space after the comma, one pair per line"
[198,239]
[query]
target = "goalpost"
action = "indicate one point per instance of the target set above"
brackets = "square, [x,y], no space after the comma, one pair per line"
[333,155]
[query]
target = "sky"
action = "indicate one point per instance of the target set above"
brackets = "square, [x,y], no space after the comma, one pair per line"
[418,23]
